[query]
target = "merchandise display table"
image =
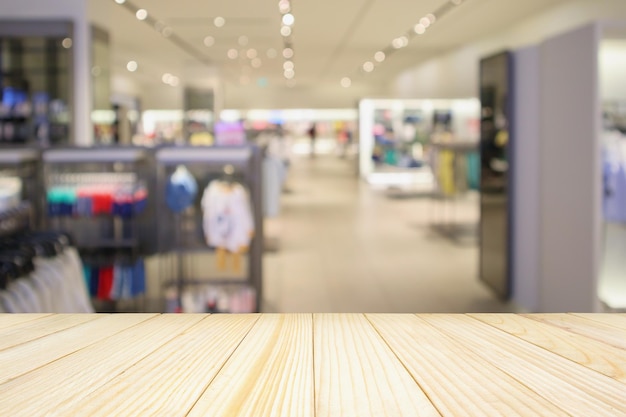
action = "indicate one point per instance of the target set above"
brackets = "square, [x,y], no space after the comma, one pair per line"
[313,365]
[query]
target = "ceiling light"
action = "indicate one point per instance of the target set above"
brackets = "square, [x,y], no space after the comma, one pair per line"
[120,1]
[251,54]
[141,14]
[379,56]
[287,53]
[289,74]
[174,81]
[233,53]
[419,29]
[167,31]
[166,78]
[131,66]
[368,66]
[288,19]
[67,43]
[346,82]
[243,40]
[209,41]
[271,53]
[256,63]
[425,21]
[431,18]
[400,42]
[288,65]
[219,21]
[285,31]
[284,6]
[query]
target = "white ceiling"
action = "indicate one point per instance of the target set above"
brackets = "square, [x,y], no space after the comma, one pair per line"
[331,38]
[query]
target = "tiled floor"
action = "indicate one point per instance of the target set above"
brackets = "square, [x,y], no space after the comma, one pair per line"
[347,248]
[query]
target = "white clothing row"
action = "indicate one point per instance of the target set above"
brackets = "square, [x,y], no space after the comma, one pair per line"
[55,286]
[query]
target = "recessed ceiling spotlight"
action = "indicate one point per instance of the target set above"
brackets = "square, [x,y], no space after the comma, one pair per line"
[425,21]
[256,63]
[120,1]
[167,78]
[251,53]
[285,31]
[379,56]
[131,66]
[174,81]
[219,21]
[400,42]
[271,53]
[284,6]
[209,41]
[368,66]
[288,19]
[288,65]
[287,53]
[67,43]
[232,53]
[141,14]
[431,18]
[289,74]
[346,82]
[419,29]
[243,40]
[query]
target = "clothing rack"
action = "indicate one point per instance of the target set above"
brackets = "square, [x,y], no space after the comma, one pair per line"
[452,189]
[181,233]
[16,220]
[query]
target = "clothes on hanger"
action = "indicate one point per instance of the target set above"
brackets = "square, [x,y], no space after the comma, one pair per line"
[41,273]
[122,200]
[181,190]
[228,223]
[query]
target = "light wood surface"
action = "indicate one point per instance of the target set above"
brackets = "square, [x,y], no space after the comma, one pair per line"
[317,365]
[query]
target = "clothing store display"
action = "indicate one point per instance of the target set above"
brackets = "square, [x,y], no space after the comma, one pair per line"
[227,220]
[614,177]
[181,190]
[121,200]
[120,280]
[41,273]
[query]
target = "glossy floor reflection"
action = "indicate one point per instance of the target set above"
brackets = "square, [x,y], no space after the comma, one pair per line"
[347,248]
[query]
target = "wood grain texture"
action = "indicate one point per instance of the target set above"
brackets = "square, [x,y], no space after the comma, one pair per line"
[606,359]
[576,389]
[184,368]
[606,333]
[457,381]
[8,320]
[68,380]
[270,373]
[611,319]
[35,329]
[356,374]
[26,357]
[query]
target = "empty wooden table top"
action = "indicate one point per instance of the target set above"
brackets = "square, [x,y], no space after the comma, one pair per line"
[313,365]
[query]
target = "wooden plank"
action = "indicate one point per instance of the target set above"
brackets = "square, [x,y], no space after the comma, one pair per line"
[602,332]
[356,374]
[67,381]
[612,319]
[37,353]
[34,329]
[170,380]
[577,390]
[270,373]
[606,359]
[8,320]
[458,381]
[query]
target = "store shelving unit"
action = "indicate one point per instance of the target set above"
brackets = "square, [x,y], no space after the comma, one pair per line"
[105,236]
[181,234]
